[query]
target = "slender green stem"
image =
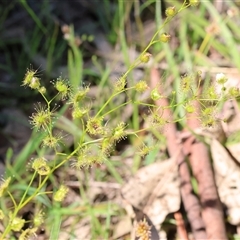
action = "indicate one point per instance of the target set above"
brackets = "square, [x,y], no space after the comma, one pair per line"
[18,207]
[152,41]
[111,97]
[26,191]
[114,109]
[13,200]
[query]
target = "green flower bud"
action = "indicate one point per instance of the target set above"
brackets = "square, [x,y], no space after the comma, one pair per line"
[30,74]
[41,119]
[42,90]
[170,11]
[190,108]
[155,95]
[60,194]
[16,223]
[194,3]
[165,37]
[38,218]
[40,166]
[119,132]
[141,86]
[62,87]
[221,78]
[144,58]
[234,92]
[35,83]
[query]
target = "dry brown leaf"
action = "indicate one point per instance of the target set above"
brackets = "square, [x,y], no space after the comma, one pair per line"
[155,190]
[74,227]
[123,227]
[234,149]
[227,175]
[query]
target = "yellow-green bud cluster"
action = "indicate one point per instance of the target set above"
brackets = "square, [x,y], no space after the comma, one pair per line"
[141,86]
[234,92]
[38,219]
[79,113]
[16,223]
[28,233]
[31,80]
[79,96]
[63,88]
[120,84]
[155,95]
[41,119]
[60,194]
[40,166]
[94,126]
[51,141]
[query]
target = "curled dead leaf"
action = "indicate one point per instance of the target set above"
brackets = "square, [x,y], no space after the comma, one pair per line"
[154,190]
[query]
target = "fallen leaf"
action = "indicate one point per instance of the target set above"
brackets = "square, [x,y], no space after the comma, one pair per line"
[233,145]
[234,149]
[122,228]
[227,175]
[155,190]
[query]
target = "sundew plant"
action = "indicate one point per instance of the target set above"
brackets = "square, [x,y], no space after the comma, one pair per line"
[99,135]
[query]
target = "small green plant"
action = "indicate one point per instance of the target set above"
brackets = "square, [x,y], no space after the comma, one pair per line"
[97,125]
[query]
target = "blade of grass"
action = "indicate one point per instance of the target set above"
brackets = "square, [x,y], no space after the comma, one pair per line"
[24,155]
[75,62]
[50,51]
[33,16]
[114,172]
[56,224]
[184,47]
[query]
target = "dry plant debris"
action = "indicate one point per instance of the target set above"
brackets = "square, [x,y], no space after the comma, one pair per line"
[155,190]
[227,175]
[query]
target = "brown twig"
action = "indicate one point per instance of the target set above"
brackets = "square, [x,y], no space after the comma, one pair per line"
[190,201]
[212,212]
[182,233]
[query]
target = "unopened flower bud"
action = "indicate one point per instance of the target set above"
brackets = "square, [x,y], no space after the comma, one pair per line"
[221,78]
[145,57]
[42,90]
[165,37]
[170,11]
[155,95]
[16,223]
[194,3]
[35,83]
[60,194]
[141,86]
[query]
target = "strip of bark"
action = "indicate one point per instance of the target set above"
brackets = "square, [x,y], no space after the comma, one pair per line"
[190,201]
[181,229]
[212,212]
